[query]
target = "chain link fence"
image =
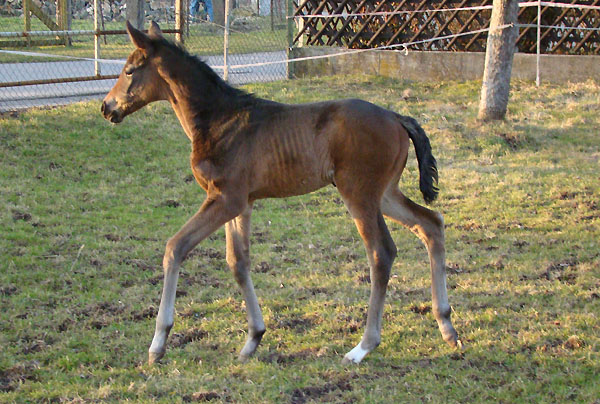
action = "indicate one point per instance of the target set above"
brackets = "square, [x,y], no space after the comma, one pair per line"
[50,64]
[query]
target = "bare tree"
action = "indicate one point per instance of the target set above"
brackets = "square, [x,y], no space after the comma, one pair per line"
[498,60]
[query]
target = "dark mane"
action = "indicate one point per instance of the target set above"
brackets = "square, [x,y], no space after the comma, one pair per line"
[206,71]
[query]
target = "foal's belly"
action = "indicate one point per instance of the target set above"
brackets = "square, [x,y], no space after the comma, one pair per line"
[280,175]
[289,162]
[278,184]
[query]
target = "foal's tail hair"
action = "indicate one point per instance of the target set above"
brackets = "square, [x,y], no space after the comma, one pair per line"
[428,173]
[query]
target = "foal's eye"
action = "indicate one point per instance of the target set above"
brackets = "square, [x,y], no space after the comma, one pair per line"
[129,71]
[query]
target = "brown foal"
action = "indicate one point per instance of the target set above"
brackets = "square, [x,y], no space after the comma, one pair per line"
[245,148]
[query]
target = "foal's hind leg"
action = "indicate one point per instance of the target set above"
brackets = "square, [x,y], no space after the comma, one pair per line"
[237,233]
[429,227]
[381,252]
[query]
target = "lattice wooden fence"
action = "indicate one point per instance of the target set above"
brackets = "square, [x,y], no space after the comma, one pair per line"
[356,24]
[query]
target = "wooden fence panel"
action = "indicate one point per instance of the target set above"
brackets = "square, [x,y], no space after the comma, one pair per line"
[372,24]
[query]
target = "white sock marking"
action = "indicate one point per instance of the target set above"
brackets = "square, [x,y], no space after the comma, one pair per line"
[356,354]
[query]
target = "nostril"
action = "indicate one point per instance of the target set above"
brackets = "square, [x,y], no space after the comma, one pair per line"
[103,107]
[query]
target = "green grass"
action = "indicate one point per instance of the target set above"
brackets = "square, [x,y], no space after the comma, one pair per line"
[204,39]
[87,208]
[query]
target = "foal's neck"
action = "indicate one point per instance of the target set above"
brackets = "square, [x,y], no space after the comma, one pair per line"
[199,97]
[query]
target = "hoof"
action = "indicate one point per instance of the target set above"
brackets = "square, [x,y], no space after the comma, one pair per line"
[356,355]
[250,347]
[456,343]
[348,361]
[451,338]
[154,357]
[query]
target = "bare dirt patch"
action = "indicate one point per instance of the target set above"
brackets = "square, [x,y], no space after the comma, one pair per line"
[421,309]
[54,166]
[34,345]
[201,396]
[567,195]
[561,271]
[148,312]
[10,114]
[112,237]
[520,244]
[513,140]
[180,339]
[260,237]
[170,203]
[8,290]
[363,278]
[98,315]
[262,267]
[317,290]
[554,346]
[455,269]
[196,279]
[350,324]
[11,378]
[323,393]
[209,252]
[20,215]
[139,264]
[155,280]
[298,324]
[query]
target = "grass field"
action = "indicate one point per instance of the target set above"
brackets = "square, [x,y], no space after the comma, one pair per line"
[87,208]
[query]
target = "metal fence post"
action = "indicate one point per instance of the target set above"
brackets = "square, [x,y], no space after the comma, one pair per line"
[27,17]
[290,37]
[272,17]
[97,5]
[539,31]
[63,10]
[226,42]
[180,13]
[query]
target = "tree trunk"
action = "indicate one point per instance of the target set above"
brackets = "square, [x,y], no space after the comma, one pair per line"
[498,60]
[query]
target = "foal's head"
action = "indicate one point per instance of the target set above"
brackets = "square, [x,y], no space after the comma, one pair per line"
[139,83]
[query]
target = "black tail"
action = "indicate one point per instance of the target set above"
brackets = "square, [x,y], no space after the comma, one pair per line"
[428,174]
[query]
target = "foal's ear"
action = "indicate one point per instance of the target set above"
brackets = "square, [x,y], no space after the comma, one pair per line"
[138,38]
[154,31]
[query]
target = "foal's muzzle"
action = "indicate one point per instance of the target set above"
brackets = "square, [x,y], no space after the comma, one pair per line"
[110,113]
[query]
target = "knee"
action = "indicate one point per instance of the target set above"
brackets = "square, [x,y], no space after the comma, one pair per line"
[239,267]
[432,232]
[387,252]
[391,250]
[384,258]
[172,254]
[438,224]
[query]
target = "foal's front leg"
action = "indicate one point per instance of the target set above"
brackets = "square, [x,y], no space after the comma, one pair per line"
[213,214]
[237,233]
